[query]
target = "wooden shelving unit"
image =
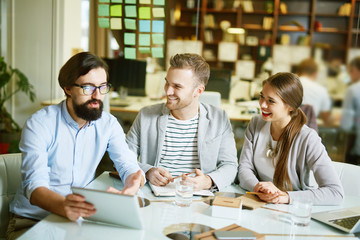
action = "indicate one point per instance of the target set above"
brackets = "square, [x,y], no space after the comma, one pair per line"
[336,34]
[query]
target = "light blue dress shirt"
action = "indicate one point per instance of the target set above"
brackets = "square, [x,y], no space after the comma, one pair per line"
[350,116]
[58,155]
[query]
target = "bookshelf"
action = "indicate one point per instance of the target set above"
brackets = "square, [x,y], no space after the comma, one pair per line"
[325,24]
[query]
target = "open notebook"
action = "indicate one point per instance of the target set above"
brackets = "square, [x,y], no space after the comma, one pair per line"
[169,191]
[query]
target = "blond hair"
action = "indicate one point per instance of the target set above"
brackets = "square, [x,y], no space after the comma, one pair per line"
[195,62]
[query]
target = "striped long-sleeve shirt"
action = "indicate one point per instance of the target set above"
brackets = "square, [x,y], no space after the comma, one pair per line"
[180,151]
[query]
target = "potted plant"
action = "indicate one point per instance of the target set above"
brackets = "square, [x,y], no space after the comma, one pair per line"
[9,129]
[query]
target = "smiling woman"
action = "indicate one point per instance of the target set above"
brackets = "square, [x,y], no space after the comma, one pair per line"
[280,150]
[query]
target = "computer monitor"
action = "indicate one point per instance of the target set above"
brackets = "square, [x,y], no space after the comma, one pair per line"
[128,73]
[219,81]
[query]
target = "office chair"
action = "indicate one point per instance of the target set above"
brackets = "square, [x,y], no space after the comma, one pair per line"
[219,81]
[10,179]
[349,176]
[213,98]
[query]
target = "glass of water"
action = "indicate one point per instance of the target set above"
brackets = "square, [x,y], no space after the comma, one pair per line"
[301,212]
[184,192]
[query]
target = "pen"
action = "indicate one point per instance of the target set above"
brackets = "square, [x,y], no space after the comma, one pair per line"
[255,193]
[185,174]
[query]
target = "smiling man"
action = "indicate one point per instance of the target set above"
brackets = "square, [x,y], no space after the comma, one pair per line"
[63,144]
[185,135]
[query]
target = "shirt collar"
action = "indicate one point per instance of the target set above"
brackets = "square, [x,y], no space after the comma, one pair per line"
[67,115]
[202,110]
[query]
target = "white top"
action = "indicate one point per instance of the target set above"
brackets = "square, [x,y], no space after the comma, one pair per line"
[180,151]
[315,95]
[264,164]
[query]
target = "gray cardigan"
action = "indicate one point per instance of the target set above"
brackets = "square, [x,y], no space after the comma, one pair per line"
[216,144]
[307,154]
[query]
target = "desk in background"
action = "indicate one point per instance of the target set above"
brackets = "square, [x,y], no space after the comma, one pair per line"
[132,105]
[270,220]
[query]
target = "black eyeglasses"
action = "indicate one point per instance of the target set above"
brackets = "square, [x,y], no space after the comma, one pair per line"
[89,90]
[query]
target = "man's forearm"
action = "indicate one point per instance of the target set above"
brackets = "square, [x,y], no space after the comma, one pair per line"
[48,200]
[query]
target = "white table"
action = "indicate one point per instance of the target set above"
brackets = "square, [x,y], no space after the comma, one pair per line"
[162,213]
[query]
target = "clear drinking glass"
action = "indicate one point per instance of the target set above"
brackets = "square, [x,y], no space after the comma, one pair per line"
[301,212]
[184,192]
[123,92]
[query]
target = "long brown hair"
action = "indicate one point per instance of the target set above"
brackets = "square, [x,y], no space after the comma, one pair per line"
[288,87]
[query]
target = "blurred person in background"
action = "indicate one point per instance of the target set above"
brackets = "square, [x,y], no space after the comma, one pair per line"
[350,119]
[315,94]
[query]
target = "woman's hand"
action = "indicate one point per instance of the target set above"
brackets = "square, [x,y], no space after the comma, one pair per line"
[269,193]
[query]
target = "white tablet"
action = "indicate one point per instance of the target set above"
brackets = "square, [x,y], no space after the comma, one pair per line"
[113,208]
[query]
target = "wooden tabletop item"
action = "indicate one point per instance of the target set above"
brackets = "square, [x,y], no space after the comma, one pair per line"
[234,227]
[252,202]
[226,207]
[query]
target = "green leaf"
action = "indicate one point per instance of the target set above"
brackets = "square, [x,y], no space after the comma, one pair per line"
[4,79]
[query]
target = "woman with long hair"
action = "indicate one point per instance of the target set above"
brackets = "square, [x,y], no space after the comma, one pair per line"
[280,150]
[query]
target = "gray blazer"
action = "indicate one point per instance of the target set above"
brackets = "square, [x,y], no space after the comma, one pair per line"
[307,154]
[216,144]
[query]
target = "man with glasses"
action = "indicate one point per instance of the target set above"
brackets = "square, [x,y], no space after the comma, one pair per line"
[63,144]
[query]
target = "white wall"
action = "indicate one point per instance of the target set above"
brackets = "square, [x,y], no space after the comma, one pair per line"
[72,27]
[42,34]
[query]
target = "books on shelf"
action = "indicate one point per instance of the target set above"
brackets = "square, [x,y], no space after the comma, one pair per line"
[268,22]
[247,6]
[283,8]
[345,9]
[285,39]
[208,36]
[219,4]
[209,21]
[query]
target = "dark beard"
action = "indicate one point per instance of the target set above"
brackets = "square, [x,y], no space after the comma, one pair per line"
[86,113]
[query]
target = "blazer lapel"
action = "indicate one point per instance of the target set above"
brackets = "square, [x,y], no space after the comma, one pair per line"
[161,128]
[202,129]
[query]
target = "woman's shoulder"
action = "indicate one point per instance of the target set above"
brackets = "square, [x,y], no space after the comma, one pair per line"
[308,134]
[257,121]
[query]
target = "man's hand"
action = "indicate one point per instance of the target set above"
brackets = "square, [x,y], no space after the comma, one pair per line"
[159,176]
[200,181]
[271,193]
[75,207]
[132,183]
[72,206]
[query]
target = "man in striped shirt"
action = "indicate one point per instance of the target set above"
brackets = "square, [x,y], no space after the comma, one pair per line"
[185,135]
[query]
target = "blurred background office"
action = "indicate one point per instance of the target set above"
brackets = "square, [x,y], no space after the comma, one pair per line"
[243,41]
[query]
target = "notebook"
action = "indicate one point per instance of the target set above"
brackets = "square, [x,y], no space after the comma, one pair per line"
[346,219]
[112,208]
[169,191]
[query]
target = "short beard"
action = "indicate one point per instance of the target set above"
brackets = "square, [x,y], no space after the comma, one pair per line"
[86,113]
